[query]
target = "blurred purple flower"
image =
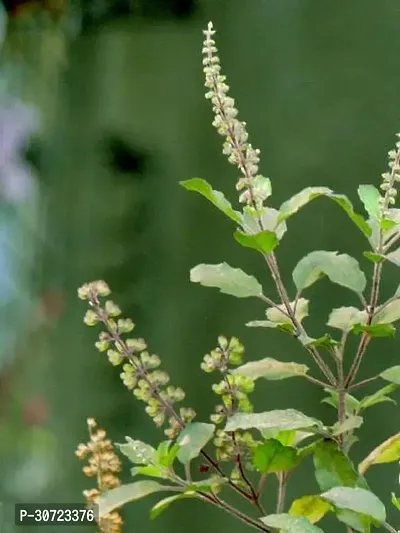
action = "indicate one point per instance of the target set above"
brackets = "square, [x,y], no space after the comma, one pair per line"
[17,123]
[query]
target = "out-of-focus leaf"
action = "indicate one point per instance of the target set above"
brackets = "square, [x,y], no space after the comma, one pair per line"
[228,280]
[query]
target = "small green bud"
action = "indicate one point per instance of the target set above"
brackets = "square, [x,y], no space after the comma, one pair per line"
[114,357]
[91,318]
[84,291]
[136,345]
[112,309]
[125,325]
[102,346]
[223,342]
[187,414]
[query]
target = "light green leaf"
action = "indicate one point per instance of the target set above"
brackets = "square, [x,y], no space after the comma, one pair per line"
[358,500]
[345,318]
[215,197]
[282,419]
[374,257]
[290,207]
[387,452]
[163,504]
[351,404]
[370,197]
[286,327]
[351,423]
[211,484]
[268,219]
[271,369]
[314,508]
[394,257]
[390,313]
[341,269]
[262,187]
[379,330]
[391,374]
[192,440]
[115,498]
[151,471]
[264,241]
[228,280]
[396,501]
[378,397]
[278,317]
[273,456]
[356,521]
[290,524]
[138,452]
[333,468]
[326,341]
[166,453]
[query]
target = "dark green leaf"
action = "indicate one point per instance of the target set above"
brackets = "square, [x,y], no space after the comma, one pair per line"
[290,524]
[358,500]
[215,197]
[272,456]
[228,280]
[340,268]
[380,330]
[192,440]
[264,242]
[370,197]
[271,369]
[285,419]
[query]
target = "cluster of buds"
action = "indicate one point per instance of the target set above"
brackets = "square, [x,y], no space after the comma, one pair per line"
[104,464]
[233,390]
[254,188]
[140,371]
[391,179]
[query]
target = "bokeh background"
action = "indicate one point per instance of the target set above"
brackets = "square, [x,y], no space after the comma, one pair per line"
[106,98]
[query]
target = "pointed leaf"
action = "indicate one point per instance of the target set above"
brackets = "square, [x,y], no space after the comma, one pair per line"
[394,257]
[286,328]
[387,452]
[290,524]
[391,374]
[138,452]
[345,318]
[215,197]
[228,280]
[314,508]
[356,521]
[272,456]
[370,197]
[163,504]
[333,468]
[278,317]
[264,241]
[340,268]
[374,257]
[302,198]
[388,314]
[379,330]
[271,369]
[151,471]
[396,501]
[282,419]
[351,404]
[115,498]
[351,423]
[358,500]
[378,397]
[192,440]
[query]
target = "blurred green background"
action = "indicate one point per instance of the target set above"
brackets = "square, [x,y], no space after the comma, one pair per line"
[119,90]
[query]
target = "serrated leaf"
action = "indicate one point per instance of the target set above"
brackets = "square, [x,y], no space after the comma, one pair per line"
[215,197]
[138,452]
[278,317]
[379,330]
[273,456]
[333,468]
[351,404]
[370,197]
[394,257]
[163,504]
[290,524]
[264,241]
[387,452]
[115,498]
[192,440]
[391,374]
[358,500]
[390,313]
[344,318]
[294,204]
[339,268]
[314,508]
[228,280]
[351,423]
[271,369]
[378,397]
[282,419]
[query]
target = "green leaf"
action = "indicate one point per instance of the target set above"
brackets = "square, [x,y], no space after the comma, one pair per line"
[268,219]
[228,280]
[390,313]
[192,440]
[287,328]
[272,456]
[264,241]
[163,504]
[374,257]
[314,508]
[166,453]
[278,316]
[290,524]
[341,269]
[138,452]
[356,521]
[370,197]
[326,341]
[211,484]
[151,471]
[379,330]
[351,404]
[396,501]
[394,257]
[271,369]
[378,397]
[351,423]
[344,318]
[391,374]
[333,468]
[292,206]
[115,498]
[282,419]
[387,452]
[358,500]
[215,197]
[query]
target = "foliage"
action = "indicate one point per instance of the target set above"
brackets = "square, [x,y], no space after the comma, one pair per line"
[240,447]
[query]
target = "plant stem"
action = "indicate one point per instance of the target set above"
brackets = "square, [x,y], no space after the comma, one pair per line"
[282,481]
[363,383]
[388,527]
